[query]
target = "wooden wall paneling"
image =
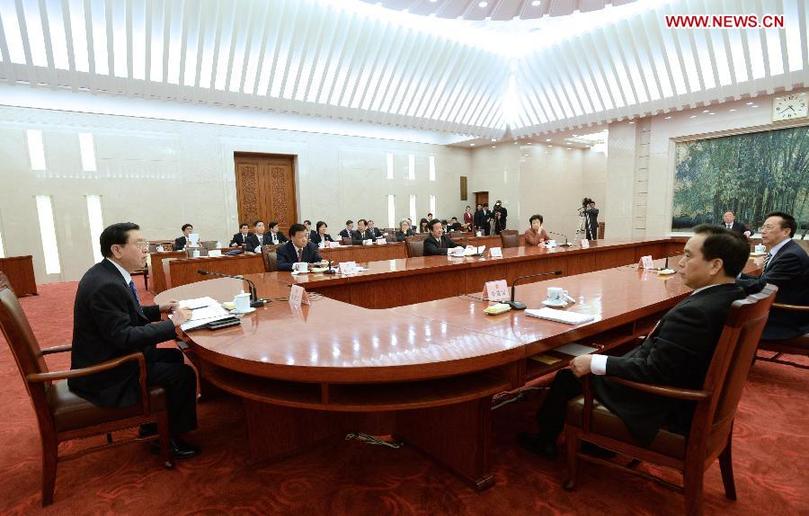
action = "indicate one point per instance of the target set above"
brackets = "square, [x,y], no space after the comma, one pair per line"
[476,277]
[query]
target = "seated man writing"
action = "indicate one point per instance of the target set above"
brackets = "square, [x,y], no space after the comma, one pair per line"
[437,243]
[677,352]
[298,249]
[109,322]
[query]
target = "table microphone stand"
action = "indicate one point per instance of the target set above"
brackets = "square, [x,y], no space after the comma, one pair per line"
[516,305]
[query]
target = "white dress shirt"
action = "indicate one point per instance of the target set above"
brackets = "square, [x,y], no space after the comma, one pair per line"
[777,247]
[124,273]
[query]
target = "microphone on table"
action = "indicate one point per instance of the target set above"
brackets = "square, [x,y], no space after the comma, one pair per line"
[330,270]
[516,305]
[255,302]
[566,244]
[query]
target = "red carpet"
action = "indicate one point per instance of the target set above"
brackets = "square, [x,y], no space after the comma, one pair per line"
[771,452]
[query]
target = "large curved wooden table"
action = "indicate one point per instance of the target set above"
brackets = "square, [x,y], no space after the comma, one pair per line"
[424,373]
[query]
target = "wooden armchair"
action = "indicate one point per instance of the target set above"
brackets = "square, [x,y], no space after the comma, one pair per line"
[62,415]
[510,238]
[270,257]
[415,247]
[795,346]
[711,430]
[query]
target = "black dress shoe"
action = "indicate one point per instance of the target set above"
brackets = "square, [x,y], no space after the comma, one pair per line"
[537,445]
[179,448]
[147,430]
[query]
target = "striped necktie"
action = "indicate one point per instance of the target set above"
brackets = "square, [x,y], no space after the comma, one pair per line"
[767,260]
[134,293]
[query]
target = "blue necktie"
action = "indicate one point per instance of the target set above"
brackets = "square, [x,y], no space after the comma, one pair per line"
[134,293]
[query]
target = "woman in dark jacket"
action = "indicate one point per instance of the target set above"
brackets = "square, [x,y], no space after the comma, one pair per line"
[320,235]
[404,231]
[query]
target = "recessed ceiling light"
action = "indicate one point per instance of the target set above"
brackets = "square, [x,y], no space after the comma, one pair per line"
[754,106]
[631,122]
[535,3]
[529,143]
[705,110]
[494,139]
[471,144]
[749,103]
[693,116]
[547,139]
[433,1]
[732,110]
[483,4]
[668,117]
[711,113]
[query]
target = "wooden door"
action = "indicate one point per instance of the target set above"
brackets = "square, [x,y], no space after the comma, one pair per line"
[481,198]
[265,188]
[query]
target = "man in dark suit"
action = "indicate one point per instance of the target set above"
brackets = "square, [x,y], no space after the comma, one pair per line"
[348,231]
[498,207]
[479,219]
[375,231]
[298,249]
[109,322]
[786,266]
[437,243]
[275,236]
[729,222]
[362,232]
[257,238]
[590,214]
[677,352]
[240,238]
[181,242]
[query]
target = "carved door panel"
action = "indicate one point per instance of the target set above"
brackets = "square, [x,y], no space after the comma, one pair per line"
[265,188]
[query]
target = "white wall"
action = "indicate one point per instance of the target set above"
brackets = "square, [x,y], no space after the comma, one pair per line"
[626,143]
[163,173]
[540,179]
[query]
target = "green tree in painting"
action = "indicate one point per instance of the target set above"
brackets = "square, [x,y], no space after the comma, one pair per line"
[749,174]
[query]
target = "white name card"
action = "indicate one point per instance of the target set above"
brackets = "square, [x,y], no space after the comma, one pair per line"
[585,244]
[368,241]
[381,241]
[496,252]
[348,267]
[159,249]
[214,252]
[333,244]
[298,296]
[646,262]
[495,291]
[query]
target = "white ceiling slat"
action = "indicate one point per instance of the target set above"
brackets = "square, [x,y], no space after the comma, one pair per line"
[359,62]
[599,70]
[88,28]
[656,40]
[253,38]
[147,30]
[416,68]
[409,45]
[803,21]
[187,14]
[298,52]
[343,64]
[236,38]
[472,102]
[387,64]
[431,107]
[108,17]
[251,82]
[576,47]
[555,76]
[641,84]
[166,39]
[6,67]
[436,62]
[310,58]
[268,65]
[46,34]
[640,41]
[711,55]
[203,21]
[461,111]
[784,52]
[288,52]
[320,61]
[548,104]
[616,80]
[457,92]
[26,44]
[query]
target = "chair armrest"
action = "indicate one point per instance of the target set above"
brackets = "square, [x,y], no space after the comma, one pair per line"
[664,390]
[103,366]
[56,349]
[791,308]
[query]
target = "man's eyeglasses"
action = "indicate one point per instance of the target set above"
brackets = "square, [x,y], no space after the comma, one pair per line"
[142,244]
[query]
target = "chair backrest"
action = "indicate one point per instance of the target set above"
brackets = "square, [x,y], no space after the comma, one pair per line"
[189,251]
[510,238]
[270,257]
[346,241]
[729,368]
[456,235]
[415,247]
[25,348]
[209,244]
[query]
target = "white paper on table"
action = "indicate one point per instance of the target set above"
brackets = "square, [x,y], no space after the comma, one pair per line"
[214,253]
[456,252]
[204,308]
[559,315]
[496,252]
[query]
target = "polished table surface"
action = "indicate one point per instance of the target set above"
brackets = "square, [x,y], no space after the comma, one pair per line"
[425,372]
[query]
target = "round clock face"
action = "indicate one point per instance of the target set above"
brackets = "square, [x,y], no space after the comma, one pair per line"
[790,106]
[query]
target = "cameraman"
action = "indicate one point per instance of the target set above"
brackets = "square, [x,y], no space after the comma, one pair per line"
[589,211]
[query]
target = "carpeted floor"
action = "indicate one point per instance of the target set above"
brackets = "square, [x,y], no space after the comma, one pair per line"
[771,452]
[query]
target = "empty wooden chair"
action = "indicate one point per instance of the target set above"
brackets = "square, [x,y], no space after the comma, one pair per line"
[510,238]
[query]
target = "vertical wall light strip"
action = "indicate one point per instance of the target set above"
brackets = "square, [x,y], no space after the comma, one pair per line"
[432,205]
[47,231]
[413,210]
[391,211]
[88,152]
[96,225]
[2,249]
[389,158]
[411,167]
[36,149]
[432,168]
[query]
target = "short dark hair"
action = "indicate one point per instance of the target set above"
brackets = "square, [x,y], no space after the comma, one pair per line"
[432,223]
[349,221]
[256,223]
[187,226]
[787,221]
[296,228]
[320,223]
[243,224]
[307,222]
[454,218]
[429,213]
[364,222]
[536,217]
[272,224]
[117,234]
[727,245]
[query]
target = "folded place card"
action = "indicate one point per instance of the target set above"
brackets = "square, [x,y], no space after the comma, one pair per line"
[298,296]
[333,244]
[585,244]
[215,252]
[381,240]
[646,262]
[368,241]
[495,291]
[561,316]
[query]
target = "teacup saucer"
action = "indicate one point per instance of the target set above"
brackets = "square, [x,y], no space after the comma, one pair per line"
[557,303]
[239,312]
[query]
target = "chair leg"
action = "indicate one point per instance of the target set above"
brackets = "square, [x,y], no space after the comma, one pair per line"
[50,457]
[109,438]
[572,450]
[726,467]
[163,433]
[693,489]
